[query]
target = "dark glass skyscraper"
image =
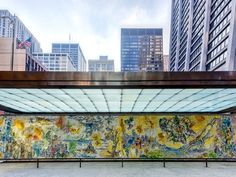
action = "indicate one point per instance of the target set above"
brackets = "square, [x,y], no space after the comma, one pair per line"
[141,49]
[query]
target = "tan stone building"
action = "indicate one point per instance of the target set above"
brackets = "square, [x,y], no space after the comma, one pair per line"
[23,61]
[165,62]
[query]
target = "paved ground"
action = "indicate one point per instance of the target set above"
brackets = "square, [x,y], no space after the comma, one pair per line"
[114,170]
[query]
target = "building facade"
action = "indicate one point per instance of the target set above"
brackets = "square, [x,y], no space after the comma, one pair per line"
[203,35]
[101,64]
[165,63]
[56,61]
[141,49]
[74,51]
[21,31]
[23,60]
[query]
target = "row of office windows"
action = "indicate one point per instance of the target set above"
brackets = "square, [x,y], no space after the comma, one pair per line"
[185,4]
[198,13]
[218,49]
[198,5]
[53,61]
[217,61]
[130,64]
[172,64]
[181,61]
[58,69]
[101,65]
[174,37]
[215,4]
[130,52]
[183,34]
[141,37]
[221,16]
[221,36]
[172,57]
[56,61]
[198,35]
[196,44]
[181,68]
[129,69]
[184,31]
[141,43]
[129,57]
[198,29]
[216,11]
[195,61]
[174,29]
[175,15]
[185,21]
[220,26]
[141,32]
[183,43]
[182,52]
[67,46]
[198,21]
[196,68]
[40,55]
[147,50]
[173,46]
[53,65]
[196,52]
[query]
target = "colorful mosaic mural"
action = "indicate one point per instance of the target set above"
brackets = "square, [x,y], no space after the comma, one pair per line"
[149,136]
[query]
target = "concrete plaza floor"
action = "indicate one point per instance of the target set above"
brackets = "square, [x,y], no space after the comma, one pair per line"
[95,169]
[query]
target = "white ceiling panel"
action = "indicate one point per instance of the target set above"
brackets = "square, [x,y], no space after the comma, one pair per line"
[118,100]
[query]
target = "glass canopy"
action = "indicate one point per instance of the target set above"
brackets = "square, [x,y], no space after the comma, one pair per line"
[117,100]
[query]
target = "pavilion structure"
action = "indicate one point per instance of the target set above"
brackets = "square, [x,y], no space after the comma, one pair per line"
[139,115]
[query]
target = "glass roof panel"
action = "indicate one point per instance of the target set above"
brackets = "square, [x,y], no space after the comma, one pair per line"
[150,91]
[92,91]
[116,100]
[73,92]
[111,91]
[131,91]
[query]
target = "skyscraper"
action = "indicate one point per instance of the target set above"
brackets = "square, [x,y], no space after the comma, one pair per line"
[74,52]
[141,49]
[203,35]
[21,31]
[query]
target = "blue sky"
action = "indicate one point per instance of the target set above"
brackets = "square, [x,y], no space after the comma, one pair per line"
[95,24]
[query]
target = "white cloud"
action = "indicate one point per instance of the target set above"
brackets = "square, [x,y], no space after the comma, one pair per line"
[136,16]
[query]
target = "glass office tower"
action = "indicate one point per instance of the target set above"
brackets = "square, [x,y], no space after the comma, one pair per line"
[141,49]
[74,51]
[203,35]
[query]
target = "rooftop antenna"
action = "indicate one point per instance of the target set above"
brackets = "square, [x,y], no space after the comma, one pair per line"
[69,38]
[69,42]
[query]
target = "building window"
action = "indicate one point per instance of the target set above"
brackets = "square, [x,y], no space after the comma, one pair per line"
[217,61]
